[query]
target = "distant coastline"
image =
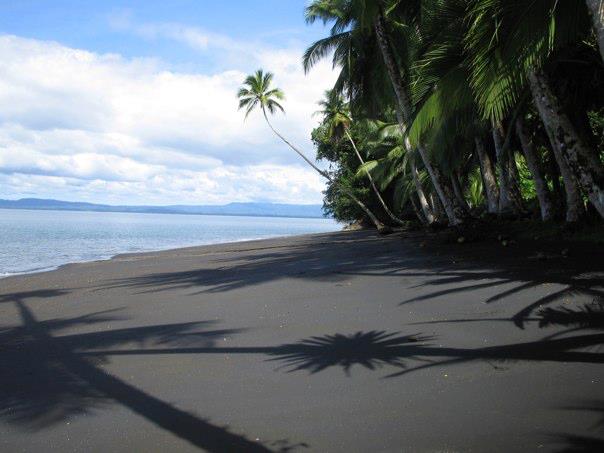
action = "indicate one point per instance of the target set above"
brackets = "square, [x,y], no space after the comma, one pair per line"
[231,209]
[38,240]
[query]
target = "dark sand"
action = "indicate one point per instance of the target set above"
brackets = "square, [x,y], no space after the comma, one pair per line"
[344,342]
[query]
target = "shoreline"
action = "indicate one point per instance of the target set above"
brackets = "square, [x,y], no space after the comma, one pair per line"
[122,254]
[40,241]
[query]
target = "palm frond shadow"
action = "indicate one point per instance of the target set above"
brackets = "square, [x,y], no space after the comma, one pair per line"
[450,269]
[560,346]
[571,279]
[308,260]
[582,443]
[376,349]
[370,350]
[589,316]
[48,377]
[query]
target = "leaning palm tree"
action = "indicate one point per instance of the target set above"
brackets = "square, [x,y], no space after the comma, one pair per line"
[512,43]
[369,18]
[337,117]
[258,93]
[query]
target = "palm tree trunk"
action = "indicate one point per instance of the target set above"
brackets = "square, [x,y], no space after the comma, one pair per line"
[437,208]
[572,194]
[420,215]
[553,171]
[583,162]
[505,201]
[457,190]
[514,177]
[596,8]
[455,213]
[373,186]
[488,176]
[379,225]
[421,196]
[534,164]
[509,200]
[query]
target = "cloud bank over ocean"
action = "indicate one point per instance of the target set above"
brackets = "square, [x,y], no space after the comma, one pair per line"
[81,125]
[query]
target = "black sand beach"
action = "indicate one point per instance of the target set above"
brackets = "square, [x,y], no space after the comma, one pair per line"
[339,342]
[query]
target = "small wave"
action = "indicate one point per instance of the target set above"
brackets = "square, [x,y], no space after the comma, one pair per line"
[28,271]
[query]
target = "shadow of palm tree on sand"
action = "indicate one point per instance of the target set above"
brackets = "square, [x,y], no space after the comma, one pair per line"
[48,377]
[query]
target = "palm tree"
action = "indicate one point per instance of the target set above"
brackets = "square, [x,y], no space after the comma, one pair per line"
[489,178]
[364,18]
[336,116]
[449,60]
[513,42]
[460,76]
[258,93]
[397,162]
[442,95]
[534,164]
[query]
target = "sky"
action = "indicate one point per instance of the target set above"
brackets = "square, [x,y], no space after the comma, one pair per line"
[134,102]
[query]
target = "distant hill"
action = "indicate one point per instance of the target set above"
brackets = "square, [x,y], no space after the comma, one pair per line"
[241,209]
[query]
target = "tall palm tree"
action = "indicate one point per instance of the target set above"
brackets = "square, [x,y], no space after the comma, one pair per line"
[442,95]
[257,92]
[394,161]
[534,164]
[368,17]
[512,42]
[336,116]
[446,65]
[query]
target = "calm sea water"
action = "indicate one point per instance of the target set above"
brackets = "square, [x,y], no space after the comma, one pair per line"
[34,241]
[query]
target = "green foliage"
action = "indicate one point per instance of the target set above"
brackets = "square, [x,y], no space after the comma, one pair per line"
[507,38]
[474,191]
[526,183]
[257,92]
[596,123]
[465,66]
[344,167]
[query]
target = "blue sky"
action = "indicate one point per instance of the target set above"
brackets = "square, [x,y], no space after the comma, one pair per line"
[134,101]
[95,25]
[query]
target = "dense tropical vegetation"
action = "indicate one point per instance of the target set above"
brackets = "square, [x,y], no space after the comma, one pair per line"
[446,111]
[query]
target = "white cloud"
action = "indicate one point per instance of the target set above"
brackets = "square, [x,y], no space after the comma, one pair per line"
[193,37]
[105,128]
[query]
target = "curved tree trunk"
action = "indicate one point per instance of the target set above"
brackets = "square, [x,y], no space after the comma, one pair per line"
[458,191]
[489,178]
[455,213]
[572,194]
[371,182]
[514,178]
[429,215]
[437,208]
[596,9]
[379,225]
[509,195]
[505,200]
[534,164]
[583,162]
[552,172]
[418,212]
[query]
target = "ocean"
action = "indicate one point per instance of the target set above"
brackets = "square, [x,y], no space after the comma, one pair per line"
[35,241]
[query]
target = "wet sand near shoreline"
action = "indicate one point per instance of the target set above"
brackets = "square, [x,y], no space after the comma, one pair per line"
[335,342]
